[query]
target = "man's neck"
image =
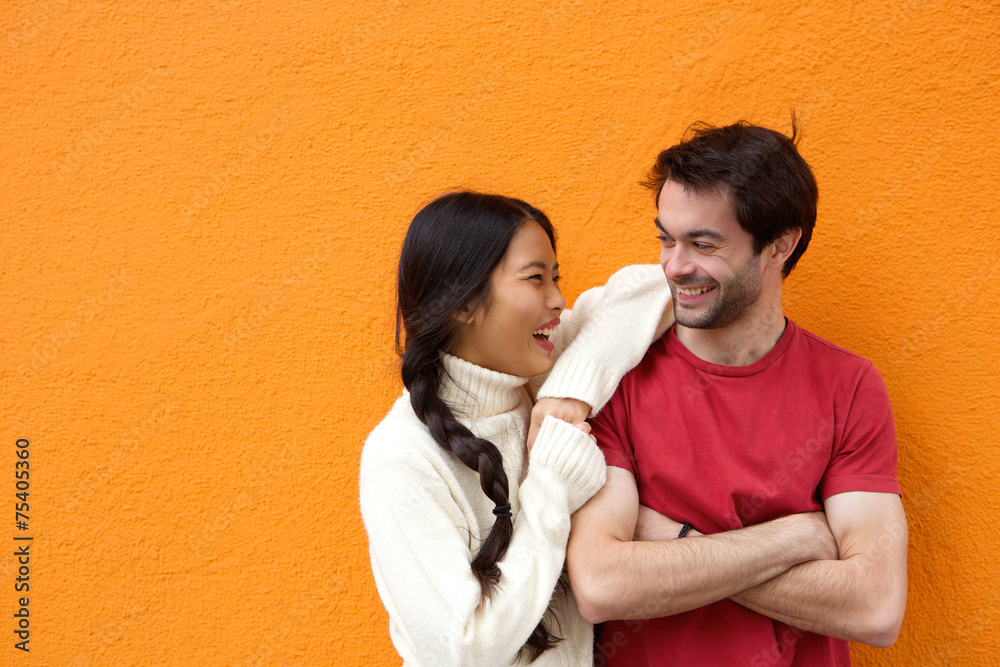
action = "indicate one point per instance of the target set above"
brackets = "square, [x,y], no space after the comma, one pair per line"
[741,343]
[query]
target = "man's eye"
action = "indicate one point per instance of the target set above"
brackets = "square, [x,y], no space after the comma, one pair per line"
[665,240]
[702,246]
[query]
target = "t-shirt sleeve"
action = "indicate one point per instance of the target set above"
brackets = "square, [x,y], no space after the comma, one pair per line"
[865,456]
[611,428]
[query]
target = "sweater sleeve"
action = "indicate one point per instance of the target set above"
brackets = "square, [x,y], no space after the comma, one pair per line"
[420,552]
[606,335]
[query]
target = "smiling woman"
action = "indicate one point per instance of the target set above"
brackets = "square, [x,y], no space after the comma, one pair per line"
[467,529]
[512,334]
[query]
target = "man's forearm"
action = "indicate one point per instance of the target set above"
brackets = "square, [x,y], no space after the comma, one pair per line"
[829,597]
[615,579]
[862,596]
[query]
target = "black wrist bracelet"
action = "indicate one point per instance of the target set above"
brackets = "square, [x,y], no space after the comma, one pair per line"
[684,530]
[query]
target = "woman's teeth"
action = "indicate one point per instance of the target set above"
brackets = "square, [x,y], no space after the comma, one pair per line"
[544,332]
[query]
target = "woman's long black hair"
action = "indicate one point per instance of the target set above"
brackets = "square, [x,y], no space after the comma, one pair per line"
[451,249]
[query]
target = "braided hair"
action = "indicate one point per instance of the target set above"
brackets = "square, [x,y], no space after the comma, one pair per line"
[450,252]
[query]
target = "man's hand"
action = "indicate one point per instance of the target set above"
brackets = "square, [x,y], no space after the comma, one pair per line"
[567,409]
[821,536]
[651,526]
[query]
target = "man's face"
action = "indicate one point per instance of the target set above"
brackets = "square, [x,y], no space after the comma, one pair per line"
[714,276]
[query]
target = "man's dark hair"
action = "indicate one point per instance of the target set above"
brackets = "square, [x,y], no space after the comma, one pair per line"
[771,186]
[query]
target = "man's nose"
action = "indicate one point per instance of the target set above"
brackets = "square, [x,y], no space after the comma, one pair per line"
[676,262]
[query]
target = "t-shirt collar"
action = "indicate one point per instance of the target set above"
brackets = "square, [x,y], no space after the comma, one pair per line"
[675,346]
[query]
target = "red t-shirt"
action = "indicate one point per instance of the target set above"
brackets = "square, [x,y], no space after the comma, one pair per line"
[730,446]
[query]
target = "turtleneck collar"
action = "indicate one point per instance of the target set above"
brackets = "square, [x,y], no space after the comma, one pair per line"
[474,391]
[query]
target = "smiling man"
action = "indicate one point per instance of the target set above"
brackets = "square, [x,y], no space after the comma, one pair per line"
[752,514]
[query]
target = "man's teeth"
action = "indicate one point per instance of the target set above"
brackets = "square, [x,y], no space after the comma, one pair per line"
[693,292]
[546,331]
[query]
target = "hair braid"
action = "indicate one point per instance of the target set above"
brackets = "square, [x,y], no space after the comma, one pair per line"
[422,378]
[434,285]
[480,455]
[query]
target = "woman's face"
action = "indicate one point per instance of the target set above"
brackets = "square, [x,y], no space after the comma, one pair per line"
[510,335]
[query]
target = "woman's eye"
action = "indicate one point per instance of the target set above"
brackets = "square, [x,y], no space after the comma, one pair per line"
[537,276]
[555,279]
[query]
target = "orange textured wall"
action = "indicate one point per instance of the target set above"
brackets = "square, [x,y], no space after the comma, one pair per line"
[202,207]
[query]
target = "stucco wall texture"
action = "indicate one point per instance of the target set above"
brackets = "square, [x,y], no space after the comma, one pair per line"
[202,210]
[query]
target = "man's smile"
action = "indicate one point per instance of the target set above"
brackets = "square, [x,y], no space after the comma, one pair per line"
[694,291]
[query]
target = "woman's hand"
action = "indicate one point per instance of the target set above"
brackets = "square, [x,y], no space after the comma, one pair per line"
[567,409]
[585,427]
[652,526]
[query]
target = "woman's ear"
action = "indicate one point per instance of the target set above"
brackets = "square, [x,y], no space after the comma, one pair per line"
[468,319]
[467,315]
[783,247]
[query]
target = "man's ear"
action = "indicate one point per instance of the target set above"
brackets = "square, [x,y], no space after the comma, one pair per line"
[783,247]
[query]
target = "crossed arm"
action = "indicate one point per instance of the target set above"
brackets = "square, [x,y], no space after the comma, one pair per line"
[614,577]
[847,580]
[859,597]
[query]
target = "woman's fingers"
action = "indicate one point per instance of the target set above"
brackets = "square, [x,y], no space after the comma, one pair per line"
[567,409]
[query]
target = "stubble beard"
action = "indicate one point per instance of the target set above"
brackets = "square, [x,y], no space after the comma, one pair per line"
[736,296]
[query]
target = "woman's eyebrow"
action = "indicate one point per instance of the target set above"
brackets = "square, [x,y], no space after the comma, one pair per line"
[537,264]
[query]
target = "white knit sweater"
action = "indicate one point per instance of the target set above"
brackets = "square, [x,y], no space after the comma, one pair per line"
[426,513]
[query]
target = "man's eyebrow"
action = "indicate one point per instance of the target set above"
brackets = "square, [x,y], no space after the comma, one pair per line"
[538,264]
[703,233]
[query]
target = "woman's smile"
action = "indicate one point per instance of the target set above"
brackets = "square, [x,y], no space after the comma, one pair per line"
[543,333]
[524,290]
